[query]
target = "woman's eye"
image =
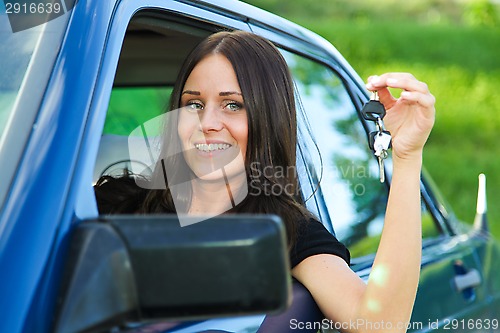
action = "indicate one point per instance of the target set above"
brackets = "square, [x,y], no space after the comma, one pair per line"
[234,106]
[194,106]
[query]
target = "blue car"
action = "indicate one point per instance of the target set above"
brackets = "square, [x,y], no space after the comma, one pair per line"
[78,79]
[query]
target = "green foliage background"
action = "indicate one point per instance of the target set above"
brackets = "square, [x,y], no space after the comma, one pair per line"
[453,46]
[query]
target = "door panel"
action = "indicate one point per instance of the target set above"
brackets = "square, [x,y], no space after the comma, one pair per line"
[448,266]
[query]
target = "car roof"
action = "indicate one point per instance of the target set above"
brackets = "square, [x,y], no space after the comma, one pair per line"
[252,14]
[260,17]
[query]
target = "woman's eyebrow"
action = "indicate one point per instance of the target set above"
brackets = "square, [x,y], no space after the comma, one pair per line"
[228,93]
[191,92]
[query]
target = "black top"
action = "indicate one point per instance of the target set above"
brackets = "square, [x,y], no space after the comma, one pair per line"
[123,196]
[312,239]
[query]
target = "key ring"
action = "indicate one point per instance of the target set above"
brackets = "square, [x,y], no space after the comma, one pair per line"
[380,124]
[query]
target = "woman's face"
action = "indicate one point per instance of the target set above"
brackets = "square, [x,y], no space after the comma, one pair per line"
[213,125]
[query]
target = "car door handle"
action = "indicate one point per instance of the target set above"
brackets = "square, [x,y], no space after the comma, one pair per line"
[470,279]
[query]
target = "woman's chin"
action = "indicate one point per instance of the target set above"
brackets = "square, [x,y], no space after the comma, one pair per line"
[223,174]
[219,169]
[209,175]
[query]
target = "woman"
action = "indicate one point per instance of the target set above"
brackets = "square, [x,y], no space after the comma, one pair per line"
[234,120]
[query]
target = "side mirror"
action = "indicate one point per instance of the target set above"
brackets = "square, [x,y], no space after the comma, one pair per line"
[134,268]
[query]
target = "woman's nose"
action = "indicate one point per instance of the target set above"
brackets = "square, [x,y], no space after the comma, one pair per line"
[210,119]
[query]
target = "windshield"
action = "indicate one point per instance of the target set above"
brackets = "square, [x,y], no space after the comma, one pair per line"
[15,55]
[26,61]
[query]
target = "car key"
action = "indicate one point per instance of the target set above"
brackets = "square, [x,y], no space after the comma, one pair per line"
[382,143]
[373,135]
[379,140]
[373,109]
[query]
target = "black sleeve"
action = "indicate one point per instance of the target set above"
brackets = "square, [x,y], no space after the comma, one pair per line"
[312,239]
[118,195]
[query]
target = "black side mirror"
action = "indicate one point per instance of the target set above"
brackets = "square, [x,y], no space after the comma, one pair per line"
[135,268]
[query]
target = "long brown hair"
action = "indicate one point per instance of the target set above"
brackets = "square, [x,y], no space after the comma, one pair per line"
[270,160]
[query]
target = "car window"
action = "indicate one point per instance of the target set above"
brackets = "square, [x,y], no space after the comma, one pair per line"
[344,166]
[15,54]
[141,93]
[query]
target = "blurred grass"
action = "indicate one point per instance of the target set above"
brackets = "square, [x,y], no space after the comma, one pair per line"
[122,117]
[446,45]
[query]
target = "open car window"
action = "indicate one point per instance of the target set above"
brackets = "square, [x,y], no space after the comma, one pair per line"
[152,53]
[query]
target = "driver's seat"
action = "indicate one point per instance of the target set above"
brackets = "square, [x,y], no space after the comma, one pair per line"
[302,310]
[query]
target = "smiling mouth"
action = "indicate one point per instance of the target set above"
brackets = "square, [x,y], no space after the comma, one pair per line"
[212,146]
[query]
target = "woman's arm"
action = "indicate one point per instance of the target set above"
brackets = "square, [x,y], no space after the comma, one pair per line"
[387,300]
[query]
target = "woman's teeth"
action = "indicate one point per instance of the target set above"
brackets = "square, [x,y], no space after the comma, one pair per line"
[211,146]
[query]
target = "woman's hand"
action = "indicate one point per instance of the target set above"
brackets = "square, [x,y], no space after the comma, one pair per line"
[410,117]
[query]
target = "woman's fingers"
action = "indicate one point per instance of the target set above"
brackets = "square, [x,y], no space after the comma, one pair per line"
[403,81]
[386,98]
[414,91]
[424,99]
[411,116]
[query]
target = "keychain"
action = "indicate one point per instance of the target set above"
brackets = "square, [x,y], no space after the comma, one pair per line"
[379,140]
